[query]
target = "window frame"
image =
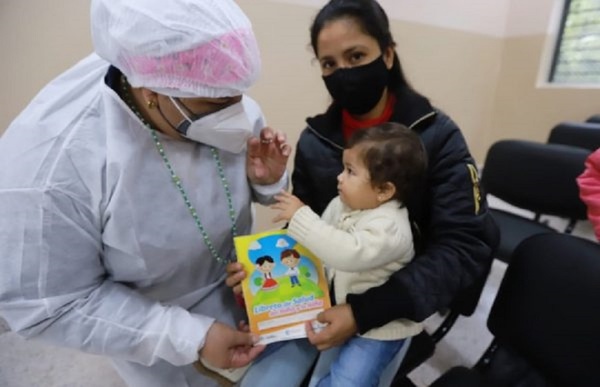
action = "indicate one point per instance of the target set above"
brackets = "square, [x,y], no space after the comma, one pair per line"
[558,40]
[550,75]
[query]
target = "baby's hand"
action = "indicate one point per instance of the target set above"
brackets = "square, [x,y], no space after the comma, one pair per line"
[287,204]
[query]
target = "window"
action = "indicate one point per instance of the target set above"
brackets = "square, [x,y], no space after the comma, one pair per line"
[577,54]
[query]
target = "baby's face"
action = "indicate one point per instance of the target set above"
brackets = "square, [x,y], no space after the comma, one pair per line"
[354,183]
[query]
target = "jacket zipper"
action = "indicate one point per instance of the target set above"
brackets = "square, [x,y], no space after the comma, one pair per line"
[324,138]
[426,116]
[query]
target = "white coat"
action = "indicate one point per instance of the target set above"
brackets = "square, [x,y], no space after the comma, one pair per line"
[97,248]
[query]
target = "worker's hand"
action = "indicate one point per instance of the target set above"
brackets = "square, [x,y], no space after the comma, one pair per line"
[235,275]
[267,157]
[340,327]
[243,326]
[226,347]
[287,204]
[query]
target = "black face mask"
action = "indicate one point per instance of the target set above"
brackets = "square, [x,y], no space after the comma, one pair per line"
[358,89]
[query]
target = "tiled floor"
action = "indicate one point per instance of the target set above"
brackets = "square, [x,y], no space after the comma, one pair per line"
[33,364]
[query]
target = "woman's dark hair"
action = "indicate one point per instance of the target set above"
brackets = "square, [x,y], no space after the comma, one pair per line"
[372,20]
[392,153]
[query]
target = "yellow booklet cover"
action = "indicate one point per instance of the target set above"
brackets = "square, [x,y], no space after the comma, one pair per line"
[285,285]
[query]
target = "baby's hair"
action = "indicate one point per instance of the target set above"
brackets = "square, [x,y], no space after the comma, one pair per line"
[288,252]
[263,259]
[391,153]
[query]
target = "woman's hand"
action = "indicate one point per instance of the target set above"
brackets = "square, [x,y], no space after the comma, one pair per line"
[226,347]
[235,275]
[267,157]
[340,327]
[287,204]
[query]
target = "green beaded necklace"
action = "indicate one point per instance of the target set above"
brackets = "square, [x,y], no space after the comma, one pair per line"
[177,181]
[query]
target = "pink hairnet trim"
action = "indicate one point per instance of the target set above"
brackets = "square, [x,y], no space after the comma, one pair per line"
[230,60]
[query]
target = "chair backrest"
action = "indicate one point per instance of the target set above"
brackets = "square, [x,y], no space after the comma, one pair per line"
[535,176]
[594,118]
[547,309]
[584,135]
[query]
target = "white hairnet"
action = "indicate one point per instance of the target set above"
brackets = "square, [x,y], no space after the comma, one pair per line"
[182,48]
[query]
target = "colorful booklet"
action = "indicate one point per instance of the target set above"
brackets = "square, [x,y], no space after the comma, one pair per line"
[285,285]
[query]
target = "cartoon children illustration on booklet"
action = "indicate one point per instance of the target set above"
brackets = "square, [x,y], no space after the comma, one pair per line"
[265,265]
[286,285]
[275,258]
[291,258]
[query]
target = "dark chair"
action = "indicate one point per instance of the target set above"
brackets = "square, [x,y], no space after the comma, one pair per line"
[584,135]
[545,319]
[536,177]
[423,345]
[594,119]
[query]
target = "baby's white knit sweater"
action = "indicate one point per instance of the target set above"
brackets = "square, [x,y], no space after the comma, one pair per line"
[361,249]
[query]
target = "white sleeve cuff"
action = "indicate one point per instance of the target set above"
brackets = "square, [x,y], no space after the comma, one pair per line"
[184,338]
[264,193]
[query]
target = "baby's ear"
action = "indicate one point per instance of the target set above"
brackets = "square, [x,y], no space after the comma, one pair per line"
[386,191]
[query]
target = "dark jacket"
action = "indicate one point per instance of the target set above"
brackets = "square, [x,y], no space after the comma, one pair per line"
[454,233]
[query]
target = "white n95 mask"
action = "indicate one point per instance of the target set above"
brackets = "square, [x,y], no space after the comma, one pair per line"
[228,129]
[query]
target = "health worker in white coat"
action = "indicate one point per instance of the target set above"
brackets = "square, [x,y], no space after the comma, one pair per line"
[123,184]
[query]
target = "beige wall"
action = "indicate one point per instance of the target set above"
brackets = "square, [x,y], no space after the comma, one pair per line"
[38,40]
[486,80]
[526,110]
[525,106]
[486,17]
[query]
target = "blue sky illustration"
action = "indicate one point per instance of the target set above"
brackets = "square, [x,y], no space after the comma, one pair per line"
[273,245]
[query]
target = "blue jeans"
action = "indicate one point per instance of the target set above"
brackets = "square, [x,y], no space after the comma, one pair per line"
[287,363]
[284,363]
[359,362]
